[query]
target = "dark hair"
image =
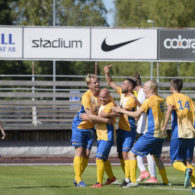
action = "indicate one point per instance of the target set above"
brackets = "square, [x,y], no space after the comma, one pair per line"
[137,78]
[132,82]
[177,84]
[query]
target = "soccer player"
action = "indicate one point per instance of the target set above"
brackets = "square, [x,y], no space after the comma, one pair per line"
[141,123]
[127,129]
[83,131]
[151,142]
[182,110]
[105,138]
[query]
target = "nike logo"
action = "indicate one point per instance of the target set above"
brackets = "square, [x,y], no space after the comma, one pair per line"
[106,47]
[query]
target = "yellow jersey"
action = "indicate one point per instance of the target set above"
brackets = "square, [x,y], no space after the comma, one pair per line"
[127,102]
[154,111]
[88,101]
[106,131]
[182,116]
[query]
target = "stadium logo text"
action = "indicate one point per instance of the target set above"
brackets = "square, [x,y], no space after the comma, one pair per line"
[6,39]
[6,43]
[179,43]
[58,43]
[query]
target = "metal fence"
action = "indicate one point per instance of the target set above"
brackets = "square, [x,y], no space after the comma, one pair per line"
[35,102]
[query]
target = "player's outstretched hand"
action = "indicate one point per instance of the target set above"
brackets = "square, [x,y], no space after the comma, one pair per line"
[107,68]
[84,117]
[163,130]
[3,135]
[117,109]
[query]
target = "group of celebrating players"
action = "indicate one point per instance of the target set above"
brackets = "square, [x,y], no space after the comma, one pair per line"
[141,112]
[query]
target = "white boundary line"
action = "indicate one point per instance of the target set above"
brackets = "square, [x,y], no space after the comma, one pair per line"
[166,188]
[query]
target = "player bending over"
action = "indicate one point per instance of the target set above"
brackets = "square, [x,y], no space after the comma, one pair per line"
[182,110]
[151,142]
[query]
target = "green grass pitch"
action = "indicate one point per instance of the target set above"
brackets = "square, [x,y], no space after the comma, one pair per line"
[57,180]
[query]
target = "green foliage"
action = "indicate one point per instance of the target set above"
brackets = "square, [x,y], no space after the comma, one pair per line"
[5,12]
[40,12]
[166,13]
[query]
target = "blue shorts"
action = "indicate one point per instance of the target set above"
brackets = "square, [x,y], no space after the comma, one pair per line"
[181,149]
[147,144]
[103,149]
[82,138]
[125,139]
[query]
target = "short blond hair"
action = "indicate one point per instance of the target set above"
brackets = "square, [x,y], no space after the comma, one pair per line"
[153,85]
[89,77]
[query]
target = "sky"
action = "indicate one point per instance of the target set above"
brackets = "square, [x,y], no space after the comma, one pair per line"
[109,4]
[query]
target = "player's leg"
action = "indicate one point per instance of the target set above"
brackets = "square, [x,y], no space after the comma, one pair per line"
[108,167]
[156,153]
[103,151]
[127,166]
[190,171]
[99,164]
[133,166]
[152,170]
[77,164]
[140,163]
[89,139]
[189,175]
[109,172]
[143,173]
[119,148]
[77,141]
[161,169]
[128,141]
[141,148]
[180,150]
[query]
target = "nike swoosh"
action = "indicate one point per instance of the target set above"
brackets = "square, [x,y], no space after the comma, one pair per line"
[106,47]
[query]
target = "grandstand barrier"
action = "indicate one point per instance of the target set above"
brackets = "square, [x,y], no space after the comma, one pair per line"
[32,114]
[29,105]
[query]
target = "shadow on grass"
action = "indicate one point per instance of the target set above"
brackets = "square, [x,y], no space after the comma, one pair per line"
[33,187]
[159,184]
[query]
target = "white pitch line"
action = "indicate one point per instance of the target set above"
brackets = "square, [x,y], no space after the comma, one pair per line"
[164,188]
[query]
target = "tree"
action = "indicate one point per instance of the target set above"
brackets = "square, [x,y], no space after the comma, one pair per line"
[5,12]
[166,13]
[68,13]
[39,13]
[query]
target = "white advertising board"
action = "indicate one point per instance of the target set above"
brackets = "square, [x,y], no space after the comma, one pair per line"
[56,43]
[10,43]
[124,44]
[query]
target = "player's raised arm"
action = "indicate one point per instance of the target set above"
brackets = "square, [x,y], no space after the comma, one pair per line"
[109,78]
[2,131]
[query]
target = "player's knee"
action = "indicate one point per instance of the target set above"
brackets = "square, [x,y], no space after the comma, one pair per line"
[87,153]
[79,151]
[132,156]
[125,155]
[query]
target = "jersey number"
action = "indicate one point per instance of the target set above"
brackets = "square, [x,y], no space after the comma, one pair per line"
[187,105]
[162,108]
